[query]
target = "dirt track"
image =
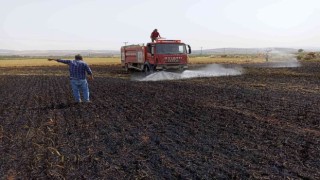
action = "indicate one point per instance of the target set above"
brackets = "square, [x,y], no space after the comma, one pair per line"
[263,124]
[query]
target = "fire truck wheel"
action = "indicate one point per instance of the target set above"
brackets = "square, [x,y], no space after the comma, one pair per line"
[126,67]
[146,70]
[180,68]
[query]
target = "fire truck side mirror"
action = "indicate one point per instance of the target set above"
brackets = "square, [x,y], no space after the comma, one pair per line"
[189,49]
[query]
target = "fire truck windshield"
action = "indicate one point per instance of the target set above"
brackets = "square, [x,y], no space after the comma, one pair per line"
[170,49]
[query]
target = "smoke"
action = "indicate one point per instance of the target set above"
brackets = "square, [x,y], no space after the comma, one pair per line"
[285,64]
[281,59]
[211,70]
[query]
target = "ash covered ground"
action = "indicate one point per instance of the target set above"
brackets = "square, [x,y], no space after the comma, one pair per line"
[262,123]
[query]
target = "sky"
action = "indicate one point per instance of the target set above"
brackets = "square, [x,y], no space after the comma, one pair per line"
[207,24]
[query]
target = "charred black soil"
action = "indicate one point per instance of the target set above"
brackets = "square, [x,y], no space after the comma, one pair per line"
[262,124]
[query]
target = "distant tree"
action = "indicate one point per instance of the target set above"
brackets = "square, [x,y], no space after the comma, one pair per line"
[300,50]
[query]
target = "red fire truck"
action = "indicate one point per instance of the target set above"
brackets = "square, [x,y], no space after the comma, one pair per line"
[162,54]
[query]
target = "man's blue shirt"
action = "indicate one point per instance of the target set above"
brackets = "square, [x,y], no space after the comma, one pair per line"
[77,68]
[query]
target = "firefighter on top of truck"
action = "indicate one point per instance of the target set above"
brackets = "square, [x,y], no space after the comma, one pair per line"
[154,35]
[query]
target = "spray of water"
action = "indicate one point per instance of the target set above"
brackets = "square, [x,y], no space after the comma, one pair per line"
[208,71]
[276,59]
[281,59]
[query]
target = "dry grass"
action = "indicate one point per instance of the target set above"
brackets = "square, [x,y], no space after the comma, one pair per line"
[232,60]
[116,61]
[45,62]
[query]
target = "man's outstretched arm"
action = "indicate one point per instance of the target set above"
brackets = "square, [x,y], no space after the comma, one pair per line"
[50,59]
[60,60]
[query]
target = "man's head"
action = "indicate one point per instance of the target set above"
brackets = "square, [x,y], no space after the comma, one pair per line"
[155,30]
[78,57]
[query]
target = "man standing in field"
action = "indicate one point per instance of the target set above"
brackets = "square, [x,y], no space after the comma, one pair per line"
[154,35]
[78,69]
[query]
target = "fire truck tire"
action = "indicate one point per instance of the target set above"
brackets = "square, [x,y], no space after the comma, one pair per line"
[126,67]
[148,69]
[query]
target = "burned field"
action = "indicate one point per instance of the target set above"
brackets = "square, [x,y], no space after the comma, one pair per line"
[262,124]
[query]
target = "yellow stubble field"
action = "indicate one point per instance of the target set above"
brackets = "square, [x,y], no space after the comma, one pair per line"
[25,62]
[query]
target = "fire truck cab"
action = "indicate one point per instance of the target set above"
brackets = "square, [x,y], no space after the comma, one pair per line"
[159,55]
